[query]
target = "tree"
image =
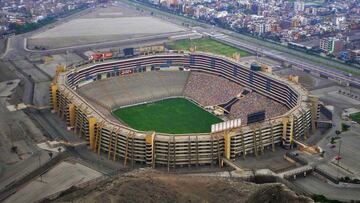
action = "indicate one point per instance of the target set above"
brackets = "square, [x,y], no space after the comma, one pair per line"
[344,127]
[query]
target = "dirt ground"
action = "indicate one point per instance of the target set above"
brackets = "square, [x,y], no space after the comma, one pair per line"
[2,45]
[151,186]
[115,23]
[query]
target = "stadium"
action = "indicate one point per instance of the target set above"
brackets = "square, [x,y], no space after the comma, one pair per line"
[181,109]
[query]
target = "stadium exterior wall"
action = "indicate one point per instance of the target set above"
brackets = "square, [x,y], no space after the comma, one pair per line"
[151,148]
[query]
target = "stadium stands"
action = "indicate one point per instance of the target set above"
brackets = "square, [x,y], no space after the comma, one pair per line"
[269,92]
[227,106]
[208,89]
[135,88]
[254,102]
[213,90]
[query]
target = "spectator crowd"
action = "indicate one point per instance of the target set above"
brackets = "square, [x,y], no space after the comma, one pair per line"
[210,90]
[255,102]
[213,90]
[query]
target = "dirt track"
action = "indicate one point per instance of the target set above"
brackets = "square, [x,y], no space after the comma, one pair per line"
[150,186]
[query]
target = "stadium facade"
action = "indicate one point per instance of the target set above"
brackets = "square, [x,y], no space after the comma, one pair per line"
[151,148]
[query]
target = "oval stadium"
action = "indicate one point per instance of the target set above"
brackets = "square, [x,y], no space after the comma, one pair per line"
[181,109]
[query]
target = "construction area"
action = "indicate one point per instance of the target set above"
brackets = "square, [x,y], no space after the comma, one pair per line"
[61,177]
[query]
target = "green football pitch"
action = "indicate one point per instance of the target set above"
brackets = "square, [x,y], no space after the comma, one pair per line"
[355,117]
[208,45]
[175,116]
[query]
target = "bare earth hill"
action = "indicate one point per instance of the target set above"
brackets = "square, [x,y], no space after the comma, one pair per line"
[152,186]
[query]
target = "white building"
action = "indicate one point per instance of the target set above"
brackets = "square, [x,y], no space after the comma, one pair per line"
[338,20]
[299,6]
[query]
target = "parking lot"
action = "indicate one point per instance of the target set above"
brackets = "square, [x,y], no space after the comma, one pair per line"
[268,160]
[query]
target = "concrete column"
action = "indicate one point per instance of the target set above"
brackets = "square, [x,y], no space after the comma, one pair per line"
[116,143]
[150,149]
[227,144]
[92,122]
[54,98]
[314,109]
[291,130]
[72,115]
[285,121]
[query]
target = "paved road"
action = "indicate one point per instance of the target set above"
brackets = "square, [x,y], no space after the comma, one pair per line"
[48,121]
[17,171]
[332,73]
[324,143]
[316,186]
[17,47]
[314,63]
[14,61]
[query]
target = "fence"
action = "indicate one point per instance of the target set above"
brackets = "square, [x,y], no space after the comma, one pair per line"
[326,175]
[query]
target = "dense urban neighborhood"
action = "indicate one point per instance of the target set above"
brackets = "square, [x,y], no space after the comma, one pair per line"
[24,15]
[328,27]
[325,27]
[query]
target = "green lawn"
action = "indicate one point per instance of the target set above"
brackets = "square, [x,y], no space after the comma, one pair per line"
[208,45]
[174,116]
[355,117]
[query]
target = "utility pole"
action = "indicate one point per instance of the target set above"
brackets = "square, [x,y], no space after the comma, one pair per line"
[41,180]
[339,151]
[11,135]
[338,158]
[66,58]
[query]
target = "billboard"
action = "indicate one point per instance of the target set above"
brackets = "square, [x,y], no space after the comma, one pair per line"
[217,127]
[126,71]
[128,51]
[256,117]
